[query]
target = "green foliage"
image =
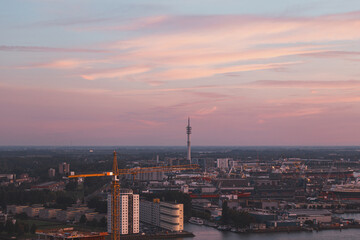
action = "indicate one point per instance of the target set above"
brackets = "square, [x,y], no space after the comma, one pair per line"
[225,218]
[237,218]
[83,219]
[22,216]
[72,185]
[103,222]
[309,222]
[93,223]
[33,228]
[99,205]
[9,227]
[240,218]
[93,184]
[18,196]
[201,214]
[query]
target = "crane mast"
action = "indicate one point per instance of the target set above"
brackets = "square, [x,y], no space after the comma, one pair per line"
[115,193]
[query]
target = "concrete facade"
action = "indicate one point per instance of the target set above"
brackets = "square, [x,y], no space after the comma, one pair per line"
[128,212]
[165,215]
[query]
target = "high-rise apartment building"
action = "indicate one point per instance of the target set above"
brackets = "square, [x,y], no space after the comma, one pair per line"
[64,168]
[128,212]
[51,172]
[169,216]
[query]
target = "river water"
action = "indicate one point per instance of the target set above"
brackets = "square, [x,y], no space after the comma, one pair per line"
[208,233]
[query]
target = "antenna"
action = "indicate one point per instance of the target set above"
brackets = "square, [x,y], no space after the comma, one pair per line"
[188,132]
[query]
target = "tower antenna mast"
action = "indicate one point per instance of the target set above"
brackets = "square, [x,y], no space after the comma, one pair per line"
[188,132]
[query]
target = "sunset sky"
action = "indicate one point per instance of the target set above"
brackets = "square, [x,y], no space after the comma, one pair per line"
[110,72]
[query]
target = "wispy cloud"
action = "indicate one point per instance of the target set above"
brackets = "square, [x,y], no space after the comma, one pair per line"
[65,64]
[205,111]
[115,73]
[291,113]
[343,84]
[49,49]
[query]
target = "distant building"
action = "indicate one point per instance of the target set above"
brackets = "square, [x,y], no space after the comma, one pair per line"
[51,172]
[64,168]
[33,211]
[5,179]
[148,176]
[169,216]
[128,212]
[13,209]
[48,213]
[204,163]
[222,163]
[3,218]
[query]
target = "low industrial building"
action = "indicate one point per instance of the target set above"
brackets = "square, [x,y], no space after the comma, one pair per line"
[316,216]
[65,215]
[14,209]
[48,213]
[263,216]
[288,223]
[33,211]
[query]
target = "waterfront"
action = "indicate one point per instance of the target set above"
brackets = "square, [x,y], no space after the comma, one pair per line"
[208,233]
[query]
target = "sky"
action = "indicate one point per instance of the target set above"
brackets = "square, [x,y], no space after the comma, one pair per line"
[247,72]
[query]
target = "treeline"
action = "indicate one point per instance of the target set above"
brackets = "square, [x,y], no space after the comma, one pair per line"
[19,228]
[174,197]
[93,223]
[98,204]
[234,217]
[10,195]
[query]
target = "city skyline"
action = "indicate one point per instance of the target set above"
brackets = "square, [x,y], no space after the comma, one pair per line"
[130,73]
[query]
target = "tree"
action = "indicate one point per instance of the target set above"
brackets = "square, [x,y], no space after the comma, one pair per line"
[309,222]
[26,227]
[33,228]
[9,227]
[71,186]
[83,219]
[22,216]
[93,223]
[103,222]
[241,219]
[2,227]
[225,213]
[99,205]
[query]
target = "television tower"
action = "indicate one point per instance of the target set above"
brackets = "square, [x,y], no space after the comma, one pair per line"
[188,132]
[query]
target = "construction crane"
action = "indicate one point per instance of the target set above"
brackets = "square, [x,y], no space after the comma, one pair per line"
[115,186]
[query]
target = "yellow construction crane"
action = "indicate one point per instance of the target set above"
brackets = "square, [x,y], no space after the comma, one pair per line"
[115,186]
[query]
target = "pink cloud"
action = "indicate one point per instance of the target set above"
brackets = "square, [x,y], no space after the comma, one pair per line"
[49,49]
[206,111]
[292,113]
[65,64]
[190,73]
[344,84]
[115,73]
[325,100]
